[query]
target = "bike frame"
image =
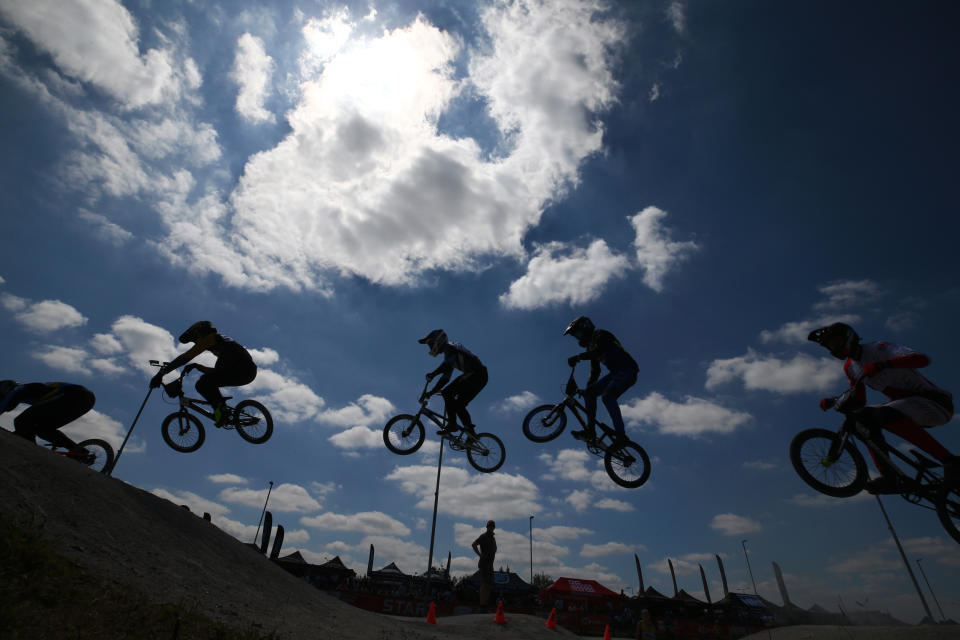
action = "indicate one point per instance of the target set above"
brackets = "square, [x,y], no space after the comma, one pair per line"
[196,404]
[463,438]
[570,401]
[918,485]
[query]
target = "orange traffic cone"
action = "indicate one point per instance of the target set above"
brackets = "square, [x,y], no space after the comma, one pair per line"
[552,620]
[432,614]
[606,633]
[500,618]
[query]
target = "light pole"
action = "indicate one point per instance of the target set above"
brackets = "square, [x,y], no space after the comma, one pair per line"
[924,574]
[436,498]
[531,549]
[903,555]
[743,543]
[257,534]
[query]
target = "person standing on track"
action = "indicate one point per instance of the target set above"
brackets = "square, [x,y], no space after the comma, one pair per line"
[485,546]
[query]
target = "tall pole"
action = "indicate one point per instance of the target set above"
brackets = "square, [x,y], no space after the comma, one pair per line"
[904,556]
[743,543]
[531,549]
[924,574]
[436,498]
[257,534]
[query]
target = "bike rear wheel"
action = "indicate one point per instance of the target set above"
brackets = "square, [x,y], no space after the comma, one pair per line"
[183,432]
[102,454]
[948,510]
[403,434]
[627,465]
[252,421]
[545,423]
[486,453]
[839,474]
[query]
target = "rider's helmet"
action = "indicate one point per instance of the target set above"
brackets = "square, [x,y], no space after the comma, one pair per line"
[436,339]
[582,329]
[196,331]
[6,386]
[839,338]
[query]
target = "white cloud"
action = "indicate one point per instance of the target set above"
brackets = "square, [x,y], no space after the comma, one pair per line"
[367,410]
[848,293]
[106,344]
[693,417]
[283,497]
[107,230]
[656,253]
[95,424]
[252,68]
[467,494]
[373,522]
[797,332]
[756,371]
[226,478]
[575,465]
[371,188]
[358,437]
[519,402]
[143,342]
[614,505]
[730,524]
[597,550]
[67,359]
[902,321]
[580,499]
[45,316]
[760,465]
[264,357]
[288,399]
[821,500]
[676,14]
[107,366]
[575,278]
[654,94]
[96,42]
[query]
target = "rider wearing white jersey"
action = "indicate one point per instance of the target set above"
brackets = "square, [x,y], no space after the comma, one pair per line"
[915,403]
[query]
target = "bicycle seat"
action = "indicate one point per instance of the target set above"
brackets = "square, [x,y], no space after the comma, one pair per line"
[924,461]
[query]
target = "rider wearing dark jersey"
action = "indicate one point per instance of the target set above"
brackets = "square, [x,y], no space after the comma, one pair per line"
[52,406]
[465,387]
[234,366]
[602,348]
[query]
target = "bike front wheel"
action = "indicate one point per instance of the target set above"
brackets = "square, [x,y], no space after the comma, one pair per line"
[403,434]
[183,432]
[486,453]
[627,465]
[545,423]
[816,459]
[252,421]
[948,510]
[102,454]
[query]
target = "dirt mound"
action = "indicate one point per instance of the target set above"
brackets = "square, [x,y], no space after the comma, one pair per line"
[138,542]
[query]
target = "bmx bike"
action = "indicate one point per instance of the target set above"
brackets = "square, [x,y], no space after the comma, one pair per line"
[404,434]
[184,432]
[100,457]
[830,462]
[626,463]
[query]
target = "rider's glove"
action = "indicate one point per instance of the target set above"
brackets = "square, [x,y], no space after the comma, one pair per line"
[873,368]
[429,376]
[827,403]
[157,380]
[573,360]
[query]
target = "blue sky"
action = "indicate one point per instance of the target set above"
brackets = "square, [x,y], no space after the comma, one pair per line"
[329,182]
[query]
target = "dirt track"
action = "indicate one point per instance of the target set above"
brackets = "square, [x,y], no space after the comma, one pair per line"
[129,537]
[809,632]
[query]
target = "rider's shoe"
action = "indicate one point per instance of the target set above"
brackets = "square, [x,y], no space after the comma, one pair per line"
[882,486]
[586,435]
[220,414]
[450,428]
